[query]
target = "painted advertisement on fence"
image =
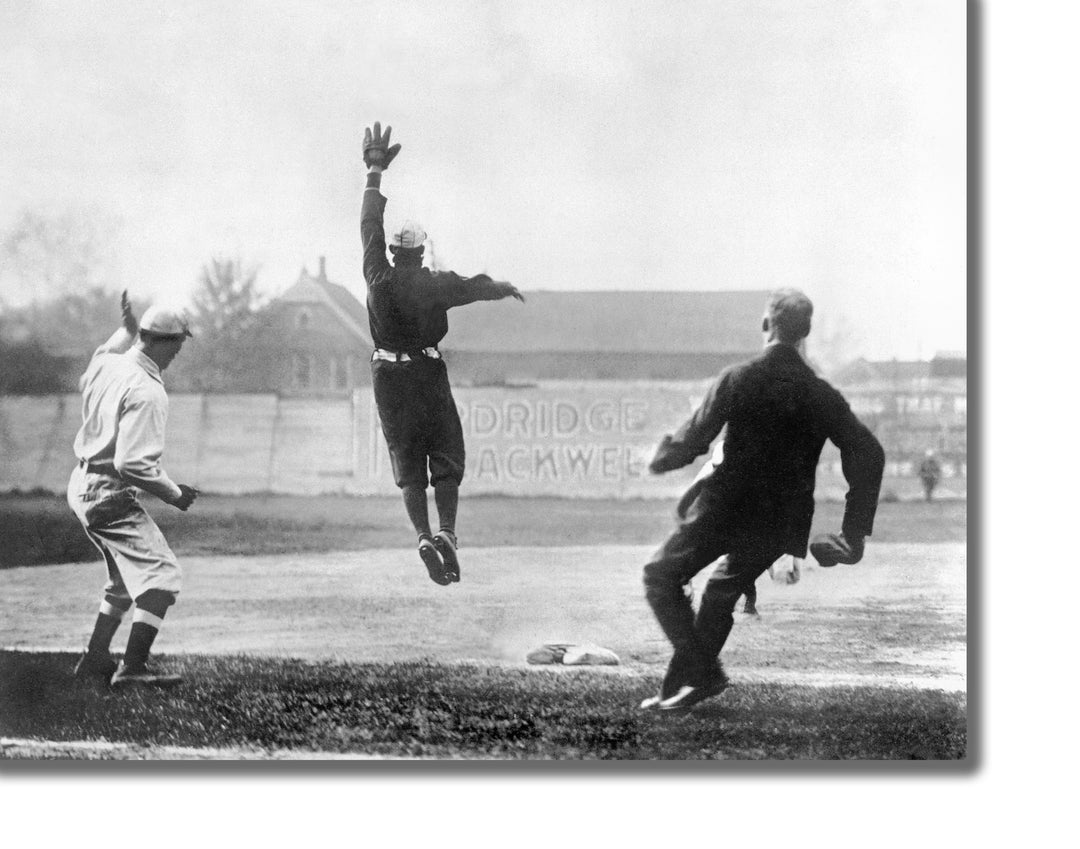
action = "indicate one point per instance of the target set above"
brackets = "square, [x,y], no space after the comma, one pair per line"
[583,440]
[588,440]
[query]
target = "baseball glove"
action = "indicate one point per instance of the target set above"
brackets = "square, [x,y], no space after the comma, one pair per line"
[830,549]
[377,149]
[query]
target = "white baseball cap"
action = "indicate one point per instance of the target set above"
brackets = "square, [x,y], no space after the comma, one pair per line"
[163,320]
[409,235]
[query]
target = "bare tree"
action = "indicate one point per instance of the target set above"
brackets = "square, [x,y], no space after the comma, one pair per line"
[834,343]
[224,308]
[226,298]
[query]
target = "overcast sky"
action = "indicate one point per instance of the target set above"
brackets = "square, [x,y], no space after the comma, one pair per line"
[579,145]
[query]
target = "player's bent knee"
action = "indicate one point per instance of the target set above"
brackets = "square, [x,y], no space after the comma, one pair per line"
[447,474]
[657,577]
[156,601]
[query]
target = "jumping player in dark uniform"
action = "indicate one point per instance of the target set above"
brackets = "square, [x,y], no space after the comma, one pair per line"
[407,307]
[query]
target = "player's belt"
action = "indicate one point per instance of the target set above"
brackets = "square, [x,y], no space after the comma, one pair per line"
[99,468]
[404,356]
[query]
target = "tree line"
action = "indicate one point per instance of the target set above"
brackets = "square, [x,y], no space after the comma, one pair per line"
[60,299]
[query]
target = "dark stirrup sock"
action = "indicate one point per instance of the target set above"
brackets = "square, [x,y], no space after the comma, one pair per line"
[139,643]
[446,504]
[108,620]
[417,507]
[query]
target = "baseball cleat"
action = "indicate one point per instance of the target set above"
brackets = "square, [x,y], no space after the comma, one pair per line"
[430,555]
[95,668]
[142,676]
[446,543]
[689,696]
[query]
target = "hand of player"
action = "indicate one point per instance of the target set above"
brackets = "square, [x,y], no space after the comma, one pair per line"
[830,549]
[377,150]
[126,314]
[510,290]
[662,460]
[188,494]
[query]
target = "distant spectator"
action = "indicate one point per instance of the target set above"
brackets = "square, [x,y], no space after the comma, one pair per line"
[929,474]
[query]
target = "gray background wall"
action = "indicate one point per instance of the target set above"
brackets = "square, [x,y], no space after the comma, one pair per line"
[579,439]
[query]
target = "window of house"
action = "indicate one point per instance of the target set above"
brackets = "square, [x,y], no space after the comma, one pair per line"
[339,374]
[303,319]
[302,370]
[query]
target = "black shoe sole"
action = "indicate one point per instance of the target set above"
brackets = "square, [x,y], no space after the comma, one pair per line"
[449,556]
[435,568]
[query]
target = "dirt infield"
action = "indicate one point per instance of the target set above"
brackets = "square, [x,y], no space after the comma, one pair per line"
[897,619]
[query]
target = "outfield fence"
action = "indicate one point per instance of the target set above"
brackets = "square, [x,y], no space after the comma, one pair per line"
[588,440]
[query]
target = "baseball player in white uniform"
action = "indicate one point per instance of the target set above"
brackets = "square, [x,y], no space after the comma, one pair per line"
[119,447]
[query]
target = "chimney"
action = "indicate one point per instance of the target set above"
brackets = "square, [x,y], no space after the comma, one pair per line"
[322,268]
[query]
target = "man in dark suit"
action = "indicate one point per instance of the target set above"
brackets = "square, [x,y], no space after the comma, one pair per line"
[758,503]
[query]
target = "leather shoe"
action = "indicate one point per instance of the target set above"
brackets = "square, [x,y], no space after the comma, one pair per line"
[95,669]
[432,561]
[446,543]
[689,696]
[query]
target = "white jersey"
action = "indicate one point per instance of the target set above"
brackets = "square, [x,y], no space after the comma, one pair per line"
[124,410]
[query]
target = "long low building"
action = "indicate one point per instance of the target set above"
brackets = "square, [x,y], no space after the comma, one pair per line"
[314,338]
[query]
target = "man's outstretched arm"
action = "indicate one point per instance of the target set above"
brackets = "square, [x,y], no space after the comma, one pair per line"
[378,154]
[372,235]
[453,290]
[694,438]
[123,338]
[127,333]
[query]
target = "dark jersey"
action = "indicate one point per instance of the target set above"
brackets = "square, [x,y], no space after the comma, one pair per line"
[407,305]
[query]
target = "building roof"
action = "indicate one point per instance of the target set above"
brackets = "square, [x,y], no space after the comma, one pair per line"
[319,290]
[881,371]
[656,322]
[943,372]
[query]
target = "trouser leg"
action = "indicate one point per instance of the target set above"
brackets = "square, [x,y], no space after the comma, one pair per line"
[141,564]
[734,576]
[750,604]
[114,605]
[694,544]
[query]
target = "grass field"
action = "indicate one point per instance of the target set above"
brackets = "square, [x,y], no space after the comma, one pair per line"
[256,707]
[311,647]
[42,529]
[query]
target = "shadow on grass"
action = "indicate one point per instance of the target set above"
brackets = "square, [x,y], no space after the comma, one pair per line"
[466,711]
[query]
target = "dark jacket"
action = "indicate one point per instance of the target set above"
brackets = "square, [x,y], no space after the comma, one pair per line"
[778,414]
[407,304]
